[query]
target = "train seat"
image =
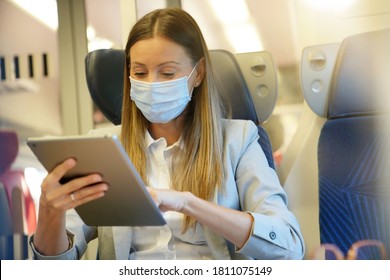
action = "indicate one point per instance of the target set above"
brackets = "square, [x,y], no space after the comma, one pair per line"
[17,215]
[353,146]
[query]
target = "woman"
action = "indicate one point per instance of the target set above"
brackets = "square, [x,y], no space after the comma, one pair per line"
[202,170]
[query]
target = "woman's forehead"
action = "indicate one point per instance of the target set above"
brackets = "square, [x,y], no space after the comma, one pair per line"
[158,50]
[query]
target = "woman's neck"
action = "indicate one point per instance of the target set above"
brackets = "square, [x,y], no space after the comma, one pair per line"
[170,131]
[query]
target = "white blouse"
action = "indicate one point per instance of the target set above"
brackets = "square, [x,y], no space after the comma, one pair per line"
[166,242]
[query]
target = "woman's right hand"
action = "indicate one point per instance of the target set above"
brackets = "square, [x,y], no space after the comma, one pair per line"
[50,237]
[59,197]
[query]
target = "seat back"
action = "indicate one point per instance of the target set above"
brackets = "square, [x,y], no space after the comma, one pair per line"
[104,74]
[17,208]
[353,148]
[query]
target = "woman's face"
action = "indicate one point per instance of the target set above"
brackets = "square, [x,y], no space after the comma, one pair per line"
[159,59]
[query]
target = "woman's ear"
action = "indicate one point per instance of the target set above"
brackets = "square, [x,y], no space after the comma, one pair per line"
[200,72]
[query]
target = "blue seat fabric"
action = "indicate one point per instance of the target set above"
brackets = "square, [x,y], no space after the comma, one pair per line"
[354,181]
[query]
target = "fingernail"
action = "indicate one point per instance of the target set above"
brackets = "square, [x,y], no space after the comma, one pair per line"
[70,161]
[97,178]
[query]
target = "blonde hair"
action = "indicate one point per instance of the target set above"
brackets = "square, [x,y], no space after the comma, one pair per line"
[199,169]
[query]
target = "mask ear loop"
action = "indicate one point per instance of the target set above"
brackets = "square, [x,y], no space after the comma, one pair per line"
[196,84]
[192,71]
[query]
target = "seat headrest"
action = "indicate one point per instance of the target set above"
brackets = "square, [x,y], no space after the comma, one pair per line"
[361,78]
[104,73]
[348,79]
[247,82]
[9,147]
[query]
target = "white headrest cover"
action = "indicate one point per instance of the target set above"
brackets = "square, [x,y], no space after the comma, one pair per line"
[316,74]
[361,79]
[259,71]
[348,79]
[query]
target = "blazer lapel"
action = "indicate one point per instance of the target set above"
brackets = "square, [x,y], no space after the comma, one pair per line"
[216,243]
[122,237]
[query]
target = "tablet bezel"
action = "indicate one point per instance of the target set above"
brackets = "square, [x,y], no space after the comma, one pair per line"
[127,201]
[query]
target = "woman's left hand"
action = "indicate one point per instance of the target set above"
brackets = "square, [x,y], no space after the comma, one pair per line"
[218,218]
[170,200]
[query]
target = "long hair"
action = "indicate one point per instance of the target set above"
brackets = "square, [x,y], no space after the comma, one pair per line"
[199,169]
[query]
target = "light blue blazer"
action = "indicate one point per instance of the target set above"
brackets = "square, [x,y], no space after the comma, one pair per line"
[251,186]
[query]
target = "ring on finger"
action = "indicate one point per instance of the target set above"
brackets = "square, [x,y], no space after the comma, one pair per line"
[72,197]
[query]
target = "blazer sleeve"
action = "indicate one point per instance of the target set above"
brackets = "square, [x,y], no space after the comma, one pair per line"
[275,232]
[79,235]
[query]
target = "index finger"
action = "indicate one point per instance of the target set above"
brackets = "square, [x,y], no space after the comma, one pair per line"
[60,170]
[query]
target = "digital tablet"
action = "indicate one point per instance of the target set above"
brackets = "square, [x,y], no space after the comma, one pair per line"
[126,203]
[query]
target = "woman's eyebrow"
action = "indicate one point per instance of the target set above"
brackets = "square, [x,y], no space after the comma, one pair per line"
[161,64]
[136,63]
[169,62]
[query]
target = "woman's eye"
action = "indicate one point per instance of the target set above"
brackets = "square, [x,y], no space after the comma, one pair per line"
[167,75]
[139,74]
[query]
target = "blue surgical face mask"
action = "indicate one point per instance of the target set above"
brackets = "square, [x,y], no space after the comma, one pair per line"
[161,102]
